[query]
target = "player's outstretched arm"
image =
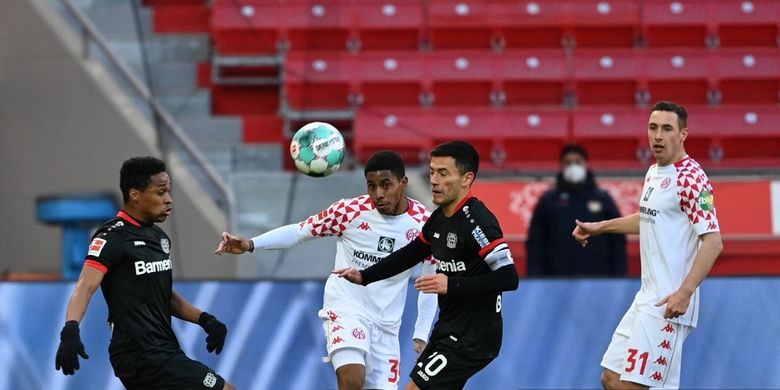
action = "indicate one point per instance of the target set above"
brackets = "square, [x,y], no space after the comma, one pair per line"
[71,346]
[677,302]
[234,244]
[395,263]
[426,310]
[623,225]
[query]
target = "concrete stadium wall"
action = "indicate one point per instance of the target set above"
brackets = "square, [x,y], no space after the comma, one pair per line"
[66,127]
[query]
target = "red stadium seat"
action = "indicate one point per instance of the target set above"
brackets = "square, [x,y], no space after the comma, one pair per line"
[511,24]
[749,75]
[711,22]
[303,25]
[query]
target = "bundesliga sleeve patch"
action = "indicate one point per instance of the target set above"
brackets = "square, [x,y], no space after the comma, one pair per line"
[96,246]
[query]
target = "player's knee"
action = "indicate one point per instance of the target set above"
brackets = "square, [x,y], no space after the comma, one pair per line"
[610,380]
[351,382]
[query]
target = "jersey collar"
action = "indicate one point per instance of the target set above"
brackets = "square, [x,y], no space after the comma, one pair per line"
[122,214]
[462,202]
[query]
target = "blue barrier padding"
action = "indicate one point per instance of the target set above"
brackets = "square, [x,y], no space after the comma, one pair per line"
[555,333]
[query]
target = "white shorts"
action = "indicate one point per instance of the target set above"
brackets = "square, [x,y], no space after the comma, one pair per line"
[347,332]
[646,350]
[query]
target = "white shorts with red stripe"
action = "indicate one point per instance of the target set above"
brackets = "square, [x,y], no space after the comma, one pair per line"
[647,350]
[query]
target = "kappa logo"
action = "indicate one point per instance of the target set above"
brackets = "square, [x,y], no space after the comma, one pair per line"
[333,316]
[210,380]
[337,340]
[661,361]
[668,328]
[365,226]
[657,377]
[386,244]
[452,240]
[665,344]
[712,226]
[96,247]
[358,334]
[336,328]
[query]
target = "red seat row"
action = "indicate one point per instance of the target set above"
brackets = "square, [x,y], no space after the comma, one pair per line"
[616,137]
[532,77]
[262,26]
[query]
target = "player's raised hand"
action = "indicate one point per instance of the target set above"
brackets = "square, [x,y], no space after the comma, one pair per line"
[583,231]
[350,274]
[432,284]
[233,244]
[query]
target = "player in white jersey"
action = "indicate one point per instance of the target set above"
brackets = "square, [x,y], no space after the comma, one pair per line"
[361,324]
[679,240]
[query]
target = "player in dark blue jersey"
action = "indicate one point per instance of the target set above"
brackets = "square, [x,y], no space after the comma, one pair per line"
[474,267]
[129,258]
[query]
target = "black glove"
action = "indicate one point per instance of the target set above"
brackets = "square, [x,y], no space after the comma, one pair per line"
[216,332]
[70,348]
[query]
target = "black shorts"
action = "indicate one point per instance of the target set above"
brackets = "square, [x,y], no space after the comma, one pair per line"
[176,372]
[442,367]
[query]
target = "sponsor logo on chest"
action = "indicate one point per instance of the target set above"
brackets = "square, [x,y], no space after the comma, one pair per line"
[148,267]
[386,244]
[451,266]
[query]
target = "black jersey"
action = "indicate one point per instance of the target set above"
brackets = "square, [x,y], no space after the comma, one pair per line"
[137,285]
[460,243]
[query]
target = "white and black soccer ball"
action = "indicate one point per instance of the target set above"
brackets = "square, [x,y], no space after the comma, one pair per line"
[317,149]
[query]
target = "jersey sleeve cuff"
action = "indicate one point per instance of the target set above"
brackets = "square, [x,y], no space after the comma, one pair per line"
[489,247]
[96,265]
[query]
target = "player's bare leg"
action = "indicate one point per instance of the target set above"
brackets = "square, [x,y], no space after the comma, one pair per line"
[351,376]
[610,380]
[411,386]
[228,386]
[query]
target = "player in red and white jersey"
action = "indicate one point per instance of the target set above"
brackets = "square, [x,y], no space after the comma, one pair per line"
[679,239]
[362,324]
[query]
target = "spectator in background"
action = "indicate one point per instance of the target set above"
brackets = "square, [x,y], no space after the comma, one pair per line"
[575,196]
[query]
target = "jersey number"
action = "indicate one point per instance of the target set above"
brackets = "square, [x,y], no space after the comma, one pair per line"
[394,370]
[498,304]
[632,359]
[435,364]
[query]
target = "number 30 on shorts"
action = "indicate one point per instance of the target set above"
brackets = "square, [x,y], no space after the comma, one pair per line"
[436,363]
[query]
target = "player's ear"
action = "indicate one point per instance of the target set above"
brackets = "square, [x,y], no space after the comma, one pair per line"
[467,179]
[135,195]
[683,134]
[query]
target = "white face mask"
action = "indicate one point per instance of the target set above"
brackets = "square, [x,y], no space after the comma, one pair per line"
[575,173]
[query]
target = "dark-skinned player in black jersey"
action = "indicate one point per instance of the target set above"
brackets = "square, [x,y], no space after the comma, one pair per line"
[129,258]
[474,268]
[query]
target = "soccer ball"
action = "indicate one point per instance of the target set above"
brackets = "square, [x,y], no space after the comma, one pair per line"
[317,149]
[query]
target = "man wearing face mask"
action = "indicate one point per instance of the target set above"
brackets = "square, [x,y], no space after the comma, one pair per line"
[575,196]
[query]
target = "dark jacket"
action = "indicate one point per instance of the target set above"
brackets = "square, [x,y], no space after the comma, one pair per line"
[552,251]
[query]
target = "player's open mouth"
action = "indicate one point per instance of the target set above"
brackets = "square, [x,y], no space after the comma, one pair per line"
[658,147]
[167,212]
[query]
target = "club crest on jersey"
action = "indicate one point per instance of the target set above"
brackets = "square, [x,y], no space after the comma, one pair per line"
[412,233]
[452,240]
[210,380]
[386,244]
[165,245]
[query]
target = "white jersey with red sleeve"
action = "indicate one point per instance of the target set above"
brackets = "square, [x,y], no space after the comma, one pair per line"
[676,207]
[365,237]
